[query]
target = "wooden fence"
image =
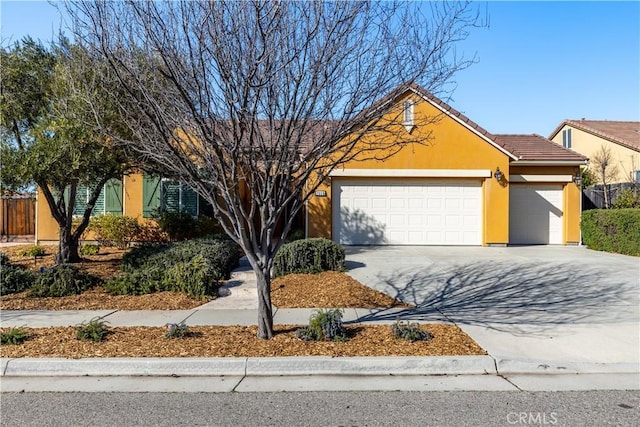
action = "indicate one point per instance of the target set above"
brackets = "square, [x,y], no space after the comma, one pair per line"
[593,196]
[18,216]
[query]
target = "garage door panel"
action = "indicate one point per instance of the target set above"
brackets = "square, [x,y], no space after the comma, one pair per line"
[535,214]
[404,212]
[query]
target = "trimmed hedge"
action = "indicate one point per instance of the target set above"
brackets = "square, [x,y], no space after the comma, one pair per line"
[309,256]
[612,230]
[194,267]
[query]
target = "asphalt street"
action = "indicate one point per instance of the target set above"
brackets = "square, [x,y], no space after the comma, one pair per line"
[592,408]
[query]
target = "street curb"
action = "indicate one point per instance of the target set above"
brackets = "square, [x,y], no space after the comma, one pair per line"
[255,366]
[515,366]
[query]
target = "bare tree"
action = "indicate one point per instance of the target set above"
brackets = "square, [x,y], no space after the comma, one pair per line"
[606,171]
[265,98]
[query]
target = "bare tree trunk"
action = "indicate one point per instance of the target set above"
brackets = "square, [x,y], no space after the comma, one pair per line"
[265,310]
[605,191]
[68,247]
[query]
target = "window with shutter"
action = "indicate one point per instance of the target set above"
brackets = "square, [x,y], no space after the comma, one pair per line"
[112,196]
[171,196]
[189,201]
[150,195]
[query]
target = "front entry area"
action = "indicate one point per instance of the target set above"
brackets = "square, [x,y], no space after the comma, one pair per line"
[403,212]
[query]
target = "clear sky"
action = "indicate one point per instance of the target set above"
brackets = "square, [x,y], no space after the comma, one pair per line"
[538,62]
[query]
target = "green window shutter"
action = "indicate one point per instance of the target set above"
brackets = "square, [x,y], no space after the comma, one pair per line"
[189,201]
[171,196]
[113,197]
[98,208]
[150,195]
[81,201]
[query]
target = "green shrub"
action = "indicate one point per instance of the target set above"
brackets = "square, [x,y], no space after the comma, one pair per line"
[182,226]
[324,325]
[15,278]
[309,256]
[32,251]
[87,249]
[627,199]
[294,235]
[139,282]
[114,230]
[15,336]
[61,280]
[194,267]
[197,278]
[94,331]
[176,330]
[4,259]
[612,230]
[410,331]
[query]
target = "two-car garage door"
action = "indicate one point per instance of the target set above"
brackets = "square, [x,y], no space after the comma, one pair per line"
[384,212]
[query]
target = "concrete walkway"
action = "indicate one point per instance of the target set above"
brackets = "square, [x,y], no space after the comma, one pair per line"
[522,356]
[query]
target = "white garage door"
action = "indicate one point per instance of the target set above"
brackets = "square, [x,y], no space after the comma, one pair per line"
[535,214]
[377,212]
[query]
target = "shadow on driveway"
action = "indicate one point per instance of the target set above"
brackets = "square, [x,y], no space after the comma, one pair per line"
[529,297]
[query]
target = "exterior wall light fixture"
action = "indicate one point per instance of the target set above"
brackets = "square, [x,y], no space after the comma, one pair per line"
[578,180]
[498,174]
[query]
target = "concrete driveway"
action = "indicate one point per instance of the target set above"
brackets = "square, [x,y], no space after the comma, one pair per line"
[557,307]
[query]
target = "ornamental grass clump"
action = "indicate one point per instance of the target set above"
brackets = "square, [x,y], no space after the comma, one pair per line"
[94,331]
[324,325]
[14,336]
[410,331]
[176,330]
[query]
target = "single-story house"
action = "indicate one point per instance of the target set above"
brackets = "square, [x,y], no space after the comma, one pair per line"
[622,138]
[463,186]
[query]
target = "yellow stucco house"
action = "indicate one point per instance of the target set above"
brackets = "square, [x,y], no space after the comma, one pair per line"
[622,138]
[465,186]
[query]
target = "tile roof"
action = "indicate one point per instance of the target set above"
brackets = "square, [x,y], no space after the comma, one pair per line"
[537,148]
[624,133]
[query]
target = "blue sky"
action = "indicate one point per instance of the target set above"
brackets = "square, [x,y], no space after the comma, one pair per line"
[539,62]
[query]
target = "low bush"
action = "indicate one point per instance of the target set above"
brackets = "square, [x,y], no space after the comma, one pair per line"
[4,259]
[14,336]
[612,230]
[32,251]
[309,256]
[197,278]
[195,267]
[139,282]
[627,199]
[179,226]
[410,331]
[61,280]
[324,325]
[15,278]
[94,331]
[176,330]
[87,250]
[114,230]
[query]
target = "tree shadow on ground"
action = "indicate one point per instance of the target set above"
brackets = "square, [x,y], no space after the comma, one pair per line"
[527,297]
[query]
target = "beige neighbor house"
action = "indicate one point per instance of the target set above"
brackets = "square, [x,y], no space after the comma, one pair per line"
[587,137]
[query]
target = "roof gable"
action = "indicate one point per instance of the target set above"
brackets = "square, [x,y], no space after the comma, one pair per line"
[625,133]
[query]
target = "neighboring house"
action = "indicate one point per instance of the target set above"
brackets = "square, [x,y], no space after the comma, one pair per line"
[588,136]
[464,186]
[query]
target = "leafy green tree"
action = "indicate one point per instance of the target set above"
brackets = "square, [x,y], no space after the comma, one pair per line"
[55,119]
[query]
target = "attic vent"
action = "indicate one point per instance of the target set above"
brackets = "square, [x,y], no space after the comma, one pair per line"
[407,116]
